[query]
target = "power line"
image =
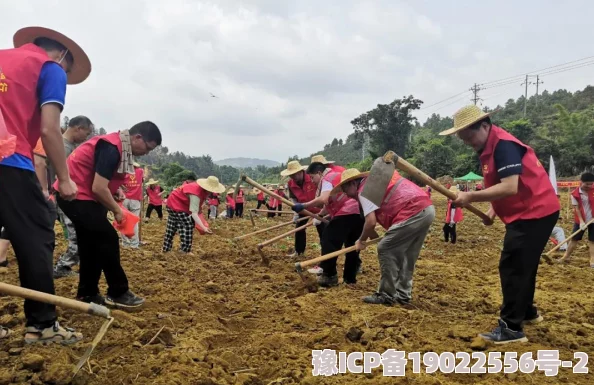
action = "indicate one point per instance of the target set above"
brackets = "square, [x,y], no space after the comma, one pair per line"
[567,69]
[441,101]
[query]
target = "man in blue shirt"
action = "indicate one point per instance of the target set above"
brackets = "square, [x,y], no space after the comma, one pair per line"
[24,211]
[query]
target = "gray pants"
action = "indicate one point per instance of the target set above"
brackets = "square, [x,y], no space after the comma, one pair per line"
[134,207]
[398,252]
[70,258]
[213,212]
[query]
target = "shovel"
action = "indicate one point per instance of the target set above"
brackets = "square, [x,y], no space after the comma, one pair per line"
[378,181]
[89,308]
[547,256]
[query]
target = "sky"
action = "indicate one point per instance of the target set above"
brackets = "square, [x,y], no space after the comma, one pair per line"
[289,76]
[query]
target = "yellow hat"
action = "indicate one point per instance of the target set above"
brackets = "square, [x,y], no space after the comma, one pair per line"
[454,189]
[152,182]
[293,167]
[465,117]
[81,68]
[320,159]
[211,184]
[347,176]
[137,165]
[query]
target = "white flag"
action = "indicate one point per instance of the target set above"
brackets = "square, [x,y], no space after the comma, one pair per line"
[553,175]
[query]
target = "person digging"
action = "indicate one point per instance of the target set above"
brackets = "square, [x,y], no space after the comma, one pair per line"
[99,167]
[522,196]
[184,207]
[155,199]
[582,200]
[344,228]
[33,79]
[406,212]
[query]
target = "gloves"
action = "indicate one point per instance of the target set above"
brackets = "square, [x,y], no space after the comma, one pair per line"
[298,207]
[317,222]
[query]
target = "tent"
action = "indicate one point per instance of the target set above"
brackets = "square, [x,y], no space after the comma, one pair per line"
[470,177]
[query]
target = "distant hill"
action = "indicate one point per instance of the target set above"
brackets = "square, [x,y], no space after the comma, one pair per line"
[246,162]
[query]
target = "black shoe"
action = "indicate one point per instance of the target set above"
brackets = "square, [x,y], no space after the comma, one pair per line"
[4,263]
[128,300]
[97,299]
[61,272]
[503,335]
[379,299]
[328,281]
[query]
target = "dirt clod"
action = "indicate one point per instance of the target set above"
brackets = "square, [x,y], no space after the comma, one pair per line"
[33,362]
[354,334]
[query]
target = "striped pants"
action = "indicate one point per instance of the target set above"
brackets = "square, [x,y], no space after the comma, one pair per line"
[182,222]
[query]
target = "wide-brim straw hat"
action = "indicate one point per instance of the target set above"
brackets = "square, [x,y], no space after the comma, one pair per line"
[211,184]
[293,167]
[152,182]
[137,165]
[347,176]
[81,68]
[466,117]
[321,159]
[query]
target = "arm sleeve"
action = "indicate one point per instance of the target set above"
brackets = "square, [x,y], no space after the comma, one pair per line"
[194,203]
[508,158]
[367,206]
[51,86]
[107,159]
[326,186]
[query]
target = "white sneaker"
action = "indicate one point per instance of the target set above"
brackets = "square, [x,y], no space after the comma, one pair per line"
[317,270]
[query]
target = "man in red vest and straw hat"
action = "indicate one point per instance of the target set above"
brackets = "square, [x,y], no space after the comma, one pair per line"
[99,167]
[522,196]
[33,78]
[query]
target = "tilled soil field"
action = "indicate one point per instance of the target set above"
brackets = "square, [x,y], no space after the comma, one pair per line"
[226,318]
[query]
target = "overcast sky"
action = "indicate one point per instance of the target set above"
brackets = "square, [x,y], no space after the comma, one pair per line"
[290,75]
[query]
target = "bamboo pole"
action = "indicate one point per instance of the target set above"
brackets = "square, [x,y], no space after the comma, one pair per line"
[269,228]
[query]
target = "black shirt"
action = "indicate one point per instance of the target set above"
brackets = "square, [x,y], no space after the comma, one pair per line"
[107,159]
[508,158]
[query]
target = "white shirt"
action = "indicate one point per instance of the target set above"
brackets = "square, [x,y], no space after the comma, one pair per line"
[367,205]
[585,205]
[326,186]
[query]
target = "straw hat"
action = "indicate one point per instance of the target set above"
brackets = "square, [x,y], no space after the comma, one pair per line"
[152,182]
[465,117]
[281,188]
[347,176]
[211,184]
[293,167]
[81,68]
[320,159]
[137,165]
[454,189]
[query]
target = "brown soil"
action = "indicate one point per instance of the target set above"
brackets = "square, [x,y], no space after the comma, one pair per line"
[228,319]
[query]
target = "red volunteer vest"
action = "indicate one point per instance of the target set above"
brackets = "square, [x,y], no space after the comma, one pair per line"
[536,197]
[306,192]
[81,165]
[180,201]
[239,198]
[133,184]
[273,202]
[335,168]
[339,204]
[153,194]
[19,73]
[458,215]
[230,201]
[213,200]
[260,196]
[403,199]
[576,194]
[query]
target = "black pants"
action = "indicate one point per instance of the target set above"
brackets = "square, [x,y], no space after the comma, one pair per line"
[523,244]
[25,216]
[260,204]
[342,230]
[239,210]
[279,208]
[449,232]
[301,236]
[271,215]
[98,248]
[157,208]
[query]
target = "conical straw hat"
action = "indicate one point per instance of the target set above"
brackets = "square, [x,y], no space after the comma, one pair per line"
[465,117]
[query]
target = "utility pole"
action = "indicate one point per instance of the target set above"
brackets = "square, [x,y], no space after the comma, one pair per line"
[475,89]
[525,94]
[537,83]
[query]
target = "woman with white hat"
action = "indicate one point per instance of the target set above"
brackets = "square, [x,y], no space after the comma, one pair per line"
[184,206]
[155,199]
[33,78]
